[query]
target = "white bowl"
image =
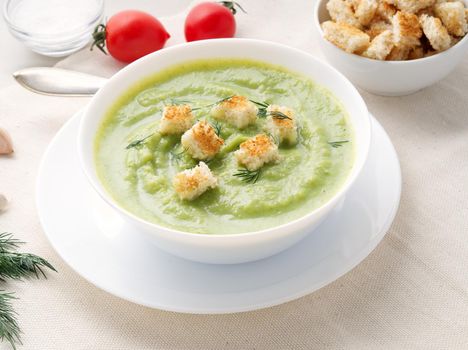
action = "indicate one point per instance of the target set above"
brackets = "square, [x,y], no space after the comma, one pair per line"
[233,248]
[388,78]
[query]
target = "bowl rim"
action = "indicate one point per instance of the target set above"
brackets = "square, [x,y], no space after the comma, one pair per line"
[318,4]
[279,229]
[77,31]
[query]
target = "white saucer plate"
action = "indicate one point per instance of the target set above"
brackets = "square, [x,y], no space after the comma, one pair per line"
[94,241]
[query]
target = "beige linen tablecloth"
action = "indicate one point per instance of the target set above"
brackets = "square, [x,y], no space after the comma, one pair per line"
[410,293]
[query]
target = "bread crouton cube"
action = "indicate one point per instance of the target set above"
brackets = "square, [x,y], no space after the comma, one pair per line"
[341,11]
[365,11]
[377,27]
[406,29]
[192,183]
[385,11]
[236,110]
[411,6]
[416,53]
[201,141]
[381,46]
[435,32]
[256,152]
[346,37]
[452,15]
[176,119]
[399,53]
[285,129]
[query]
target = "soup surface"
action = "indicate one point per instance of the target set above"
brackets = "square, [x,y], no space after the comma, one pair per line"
[137,164]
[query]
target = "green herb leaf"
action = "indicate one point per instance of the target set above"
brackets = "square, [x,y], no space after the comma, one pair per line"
[218,102]
[217,128]
[263,112]
[8,243]
[336,144]
[16,266]
[22,265]
[247,175]
[9,328]
[138,142]
[278,115]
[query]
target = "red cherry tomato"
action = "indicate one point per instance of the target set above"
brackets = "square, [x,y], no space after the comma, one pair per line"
[130,35]
[209,20]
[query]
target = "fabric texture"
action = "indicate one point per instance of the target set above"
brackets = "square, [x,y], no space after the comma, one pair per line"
[410,293]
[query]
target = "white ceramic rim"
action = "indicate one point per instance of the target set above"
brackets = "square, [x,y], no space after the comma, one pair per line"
[440,55]
[281,230]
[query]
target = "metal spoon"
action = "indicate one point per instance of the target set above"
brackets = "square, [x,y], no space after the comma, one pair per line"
[58,82]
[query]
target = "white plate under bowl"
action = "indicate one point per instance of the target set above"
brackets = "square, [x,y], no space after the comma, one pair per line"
[99,246]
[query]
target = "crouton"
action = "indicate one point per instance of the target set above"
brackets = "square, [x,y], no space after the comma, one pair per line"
[411,6]
[454,40]
[377,27]
[353,3]
[406,29]
[176,119]
[237,111]
[452,15]
[365,11]
[341,12]
[399,53]
[385,11]
[192,183]
[381,46]
[256,152]
[283,128]
[436,33]
[416,53]
[346,37]
[201,141]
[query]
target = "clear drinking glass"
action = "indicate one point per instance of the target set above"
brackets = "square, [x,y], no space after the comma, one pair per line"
[53,27]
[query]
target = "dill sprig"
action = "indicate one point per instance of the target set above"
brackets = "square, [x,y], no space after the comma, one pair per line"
[22,265]
[178,102]
[231,6]
[9,328]
[16,266]
[336,144]
[249,176]
[138,142]
[217,128]
[263,111]
[177,156]
[218,102]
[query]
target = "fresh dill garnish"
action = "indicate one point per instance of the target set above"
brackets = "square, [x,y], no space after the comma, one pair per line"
[9,328]
[177,156]
[231,6]
[217,128]
[217,102]
[249,176]
[263,111]
[178,102]
[16,266]
[275,138]
[336,144]
[138,142]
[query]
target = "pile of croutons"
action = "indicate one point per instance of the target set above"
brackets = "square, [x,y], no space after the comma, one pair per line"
[395,30]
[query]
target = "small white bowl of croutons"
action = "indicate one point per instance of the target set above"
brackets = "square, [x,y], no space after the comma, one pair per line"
[393,47]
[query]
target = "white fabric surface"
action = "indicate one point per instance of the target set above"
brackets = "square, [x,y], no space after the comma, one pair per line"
[410,293]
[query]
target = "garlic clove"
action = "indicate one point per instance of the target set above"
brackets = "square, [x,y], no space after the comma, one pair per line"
[3,202]
[6,145]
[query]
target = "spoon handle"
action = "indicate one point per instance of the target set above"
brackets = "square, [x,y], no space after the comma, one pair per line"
[58,82]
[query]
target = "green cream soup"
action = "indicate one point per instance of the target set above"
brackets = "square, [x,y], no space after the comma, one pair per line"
[137,164]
